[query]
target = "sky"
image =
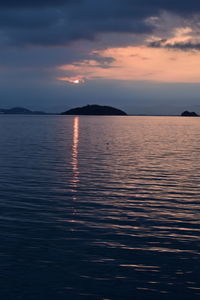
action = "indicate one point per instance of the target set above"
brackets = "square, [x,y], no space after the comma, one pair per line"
[142,56]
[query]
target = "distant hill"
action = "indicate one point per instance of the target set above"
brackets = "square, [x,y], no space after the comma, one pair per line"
[95,110]
[20,111]
[189,114]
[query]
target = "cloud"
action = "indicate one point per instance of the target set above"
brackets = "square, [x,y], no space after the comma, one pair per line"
[58,23]
[137,64]
[35,3]
[184,46]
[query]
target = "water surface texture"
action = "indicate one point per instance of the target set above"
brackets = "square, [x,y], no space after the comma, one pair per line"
[99,208]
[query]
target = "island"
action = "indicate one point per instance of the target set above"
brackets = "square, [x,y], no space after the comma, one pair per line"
[20,111]
[95,110]
[189,114]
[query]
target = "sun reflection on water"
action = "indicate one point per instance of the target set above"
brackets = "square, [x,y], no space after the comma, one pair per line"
[75,169]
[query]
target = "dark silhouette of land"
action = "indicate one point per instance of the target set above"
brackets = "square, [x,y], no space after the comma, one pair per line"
[95,110]
[90,110]
[20,111]
[189,114]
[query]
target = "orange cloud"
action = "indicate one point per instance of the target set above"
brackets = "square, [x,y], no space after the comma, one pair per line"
[140,63]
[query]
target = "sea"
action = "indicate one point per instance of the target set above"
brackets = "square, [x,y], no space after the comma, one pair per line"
[99,208]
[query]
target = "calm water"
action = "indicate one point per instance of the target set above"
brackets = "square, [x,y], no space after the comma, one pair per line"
[99,208]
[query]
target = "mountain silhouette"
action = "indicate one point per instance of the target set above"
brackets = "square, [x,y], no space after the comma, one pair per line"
[189,114]
[20,111]
[95,110]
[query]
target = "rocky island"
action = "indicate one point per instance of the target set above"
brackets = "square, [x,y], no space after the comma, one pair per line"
[189,114]
[95,110]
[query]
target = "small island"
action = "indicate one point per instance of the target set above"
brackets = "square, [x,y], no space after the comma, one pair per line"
[95,110]
[20,111]
[189,114]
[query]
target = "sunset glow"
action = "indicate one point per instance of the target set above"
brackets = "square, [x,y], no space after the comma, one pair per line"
[77,81]
[72,80]
[140,63]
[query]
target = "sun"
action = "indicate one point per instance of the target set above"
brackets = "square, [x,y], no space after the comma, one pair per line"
[77,81]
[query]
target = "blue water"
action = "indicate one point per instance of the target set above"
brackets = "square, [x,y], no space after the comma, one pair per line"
[99,208]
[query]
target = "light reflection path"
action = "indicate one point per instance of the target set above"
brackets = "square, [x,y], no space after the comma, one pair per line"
[75,169]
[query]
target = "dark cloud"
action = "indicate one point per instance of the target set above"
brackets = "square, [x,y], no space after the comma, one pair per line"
[157,43]
[38,58]
[35,3]
[60,22]
[184,46]
[48,58]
